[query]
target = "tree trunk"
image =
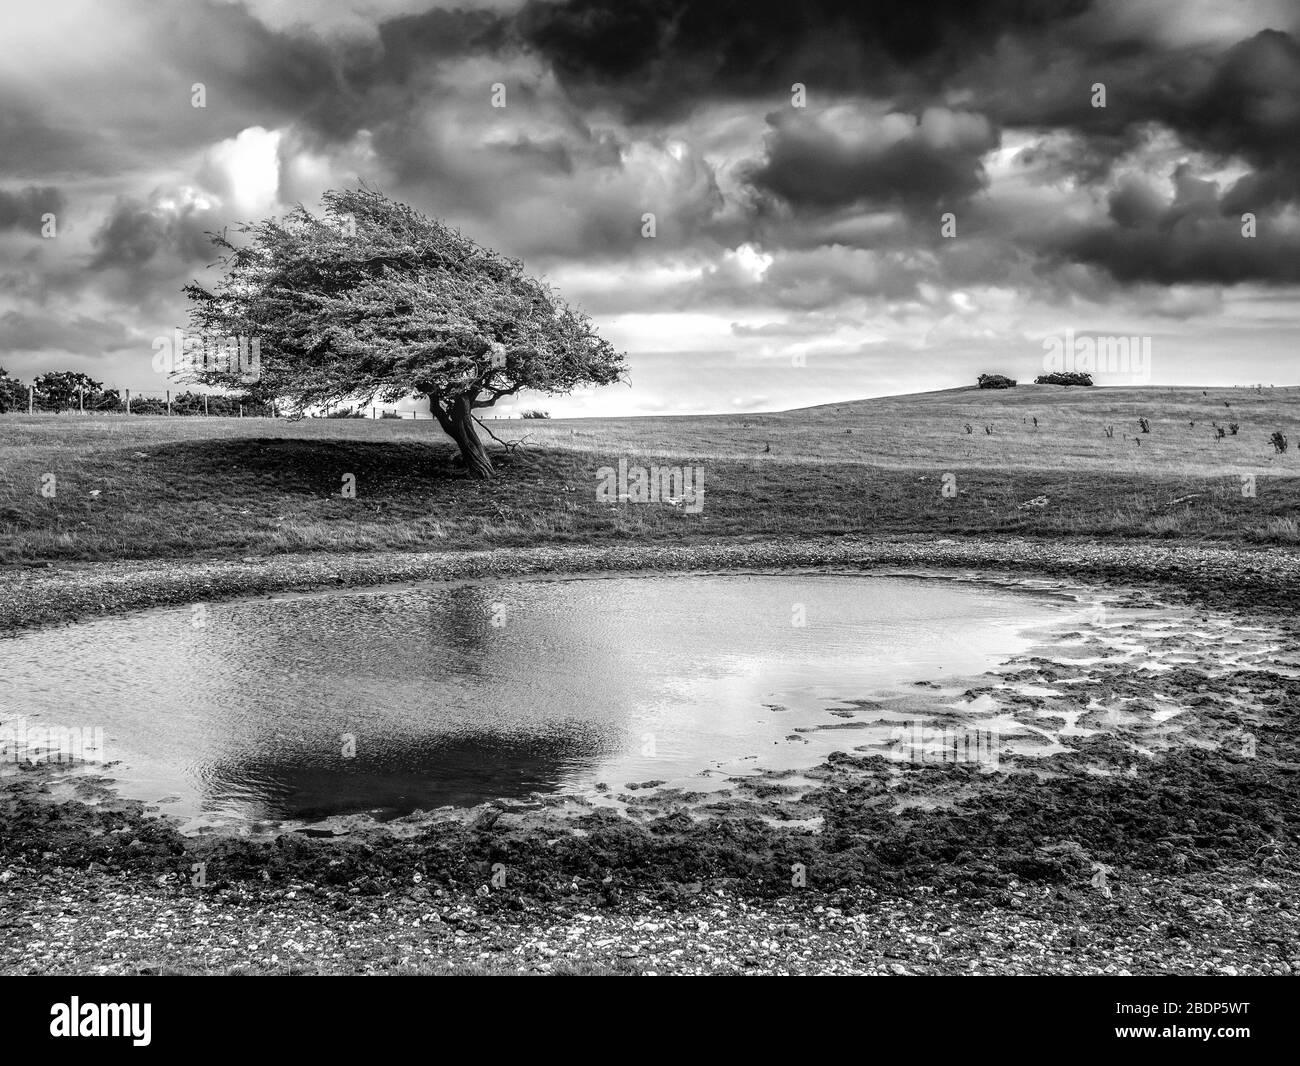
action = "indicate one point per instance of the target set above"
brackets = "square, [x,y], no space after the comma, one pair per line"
[457,421]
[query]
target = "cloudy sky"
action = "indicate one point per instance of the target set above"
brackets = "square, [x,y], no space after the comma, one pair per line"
[799,253]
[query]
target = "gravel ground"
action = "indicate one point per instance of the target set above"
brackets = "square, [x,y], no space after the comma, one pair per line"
[100,925]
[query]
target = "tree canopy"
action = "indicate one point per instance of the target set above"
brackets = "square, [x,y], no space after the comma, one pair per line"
[61,390]
[13,393]
[373,299]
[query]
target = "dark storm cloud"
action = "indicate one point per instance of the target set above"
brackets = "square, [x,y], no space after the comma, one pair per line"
[23,209]
[1189,251]
[1252,104]
[137,104]
[336,86]
[136,233]
[241,60]
[1022,65]
[411,41]
[79,334]
[33,146]
[1187,239]
[144,252]
[808,164]
[1243,101]
[1252,108]
[663,56]
[1019,62]
[1050,85]
[1135,203]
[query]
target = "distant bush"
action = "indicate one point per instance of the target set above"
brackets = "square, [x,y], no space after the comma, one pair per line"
[13,393]
[1144,425]
[996,381]
[389,414]
[64,390]
[1063,379]
[108,400]
[346,412]
[535,414]
[194,403]
[1279,441]
[189,403]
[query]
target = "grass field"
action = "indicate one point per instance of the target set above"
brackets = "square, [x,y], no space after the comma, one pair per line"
[151,487]
[927,431]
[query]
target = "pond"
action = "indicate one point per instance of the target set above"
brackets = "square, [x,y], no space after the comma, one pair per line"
[398,699]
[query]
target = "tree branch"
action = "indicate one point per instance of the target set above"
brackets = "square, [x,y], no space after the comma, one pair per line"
[496,395]
[489,432]
[508,445]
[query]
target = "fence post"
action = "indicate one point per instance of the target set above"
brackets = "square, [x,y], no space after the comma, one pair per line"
[241,410]
[205,404]
[81,400]
[169,401]
[31,399]
[128,401]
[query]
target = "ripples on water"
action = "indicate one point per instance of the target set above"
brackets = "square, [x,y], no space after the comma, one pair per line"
[396,700]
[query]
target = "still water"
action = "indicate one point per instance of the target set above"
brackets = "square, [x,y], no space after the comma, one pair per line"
[398,699]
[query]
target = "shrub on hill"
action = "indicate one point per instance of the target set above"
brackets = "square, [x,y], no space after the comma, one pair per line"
[996,381]
[1063,379]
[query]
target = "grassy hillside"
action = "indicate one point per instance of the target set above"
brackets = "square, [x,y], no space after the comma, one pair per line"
[159,487]
[927,430]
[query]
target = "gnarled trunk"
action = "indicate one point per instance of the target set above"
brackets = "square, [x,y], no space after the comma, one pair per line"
[457,421]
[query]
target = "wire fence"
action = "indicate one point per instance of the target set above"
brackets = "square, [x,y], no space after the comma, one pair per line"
[135,402]
[169,402]
[375,411]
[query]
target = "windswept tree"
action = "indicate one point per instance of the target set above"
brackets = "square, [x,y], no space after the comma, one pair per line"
[375,301]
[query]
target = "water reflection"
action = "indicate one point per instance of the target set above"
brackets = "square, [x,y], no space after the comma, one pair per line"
[389,779]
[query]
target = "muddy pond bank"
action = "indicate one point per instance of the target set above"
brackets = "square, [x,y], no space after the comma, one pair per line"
[1198,852]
